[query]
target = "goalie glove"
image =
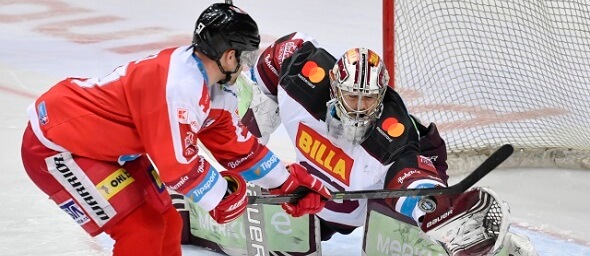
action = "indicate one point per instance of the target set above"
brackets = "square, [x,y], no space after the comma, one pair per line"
[475,224]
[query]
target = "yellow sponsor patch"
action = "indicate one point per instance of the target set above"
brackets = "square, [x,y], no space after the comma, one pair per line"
[157,180]
[114,183]
[320,151]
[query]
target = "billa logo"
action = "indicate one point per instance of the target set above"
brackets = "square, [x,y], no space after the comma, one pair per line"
[393,127]
[324,154]
[313,72]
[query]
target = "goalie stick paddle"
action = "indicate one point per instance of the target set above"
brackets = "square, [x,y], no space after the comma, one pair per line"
[482,170]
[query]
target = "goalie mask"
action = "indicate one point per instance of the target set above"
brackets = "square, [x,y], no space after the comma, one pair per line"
[358,83]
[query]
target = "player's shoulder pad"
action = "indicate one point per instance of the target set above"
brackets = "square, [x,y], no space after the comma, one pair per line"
[304,76]
[394,132]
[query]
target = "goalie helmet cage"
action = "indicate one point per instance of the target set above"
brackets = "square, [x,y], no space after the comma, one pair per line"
[491,72]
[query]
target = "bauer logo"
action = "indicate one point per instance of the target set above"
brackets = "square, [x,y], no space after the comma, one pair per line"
[74,210]
[321,152]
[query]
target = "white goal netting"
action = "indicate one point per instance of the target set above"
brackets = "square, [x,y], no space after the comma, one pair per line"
[490,72]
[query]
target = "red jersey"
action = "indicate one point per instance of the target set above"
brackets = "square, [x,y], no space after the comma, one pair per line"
[159,106]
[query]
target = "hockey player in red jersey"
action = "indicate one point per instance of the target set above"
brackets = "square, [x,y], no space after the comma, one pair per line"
[352,131]
[88,141]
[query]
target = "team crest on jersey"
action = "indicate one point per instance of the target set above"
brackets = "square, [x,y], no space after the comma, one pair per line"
[189,142]
[286,49]
[320,151]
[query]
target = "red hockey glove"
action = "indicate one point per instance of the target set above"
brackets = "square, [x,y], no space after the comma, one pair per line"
[475,224]
[234,203]
[301,182]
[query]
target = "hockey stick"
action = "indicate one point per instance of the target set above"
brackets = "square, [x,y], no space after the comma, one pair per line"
[482,170]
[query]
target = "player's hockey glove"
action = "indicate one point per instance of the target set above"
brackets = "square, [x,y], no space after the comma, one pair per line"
[475,224]
[234,203]
[300,182]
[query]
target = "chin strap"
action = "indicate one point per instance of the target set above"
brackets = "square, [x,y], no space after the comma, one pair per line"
[227,73]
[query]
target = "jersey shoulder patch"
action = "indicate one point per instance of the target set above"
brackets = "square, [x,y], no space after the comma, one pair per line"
[393,132]
[304,76]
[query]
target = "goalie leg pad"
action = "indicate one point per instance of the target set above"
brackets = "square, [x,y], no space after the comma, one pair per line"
[476,224]
[518,245]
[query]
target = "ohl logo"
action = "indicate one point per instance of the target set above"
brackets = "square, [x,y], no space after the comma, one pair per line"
[313,72]
[393,127]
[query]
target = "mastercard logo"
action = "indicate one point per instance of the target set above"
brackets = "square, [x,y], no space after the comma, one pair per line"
[393,127]
[313,72]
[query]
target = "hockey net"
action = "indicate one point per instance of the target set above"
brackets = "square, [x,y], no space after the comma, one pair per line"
[490,72]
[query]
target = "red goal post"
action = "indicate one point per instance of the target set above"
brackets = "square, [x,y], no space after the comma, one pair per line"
[495,72]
